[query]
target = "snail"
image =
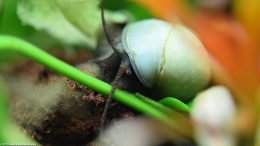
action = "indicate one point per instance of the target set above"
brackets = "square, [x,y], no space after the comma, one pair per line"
[168,57]
[214,125]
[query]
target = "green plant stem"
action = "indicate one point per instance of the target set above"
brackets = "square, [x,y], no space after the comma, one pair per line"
[9,43]
[180,120]
[175,104]
[155,104]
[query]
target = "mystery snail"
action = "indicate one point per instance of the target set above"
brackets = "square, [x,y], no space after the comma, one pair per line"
[168,57]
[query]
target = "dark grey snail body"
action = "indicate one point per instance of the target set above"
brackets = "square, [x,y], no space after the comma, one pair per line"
[168,57]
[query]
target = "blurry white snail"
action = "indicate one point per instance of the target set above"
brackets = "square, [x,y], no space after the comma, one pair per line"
[213,114]
[168,57]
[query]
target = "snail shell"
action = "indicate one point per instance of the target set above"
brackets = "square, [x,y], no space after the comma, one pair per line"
[207,117]
[168,57]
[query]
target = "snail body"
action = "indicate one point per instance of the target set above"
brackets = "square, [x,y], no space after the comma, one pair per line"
[168,57]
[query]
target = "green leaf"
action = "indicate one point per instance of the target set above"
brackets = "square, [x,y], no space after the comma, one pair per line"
[73,22]
[137,12]
[1,4]
[86,16]
[44,15]
[10,23]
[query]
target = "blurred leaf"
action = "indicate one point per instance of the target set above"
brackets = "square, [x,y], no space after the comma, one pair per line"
[137,11]
[1,5]
[9,22]
[75,22]
[85,16]
[44,15]
[248,12]
[166,9]
[7,56]
[232,50]
[116,4]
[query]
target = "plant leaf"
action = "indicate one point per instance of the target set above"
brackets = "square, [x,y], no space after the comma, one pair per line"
[85,16]
[73,22]
[9,22]
[44,15]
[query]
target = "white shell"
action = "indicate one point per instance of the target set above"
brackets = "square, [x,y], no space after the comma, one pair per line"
[213,113]
[167,56]
[139,40]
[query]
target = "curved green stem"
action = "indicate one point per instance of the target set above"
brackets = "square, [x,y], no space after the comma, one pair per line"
[31,51]
[155,104]
[11,43]
[175,104]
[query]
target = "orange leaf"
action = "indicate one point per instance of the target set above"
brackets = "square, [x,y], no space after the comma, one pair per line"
[228,43]
[164,9]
